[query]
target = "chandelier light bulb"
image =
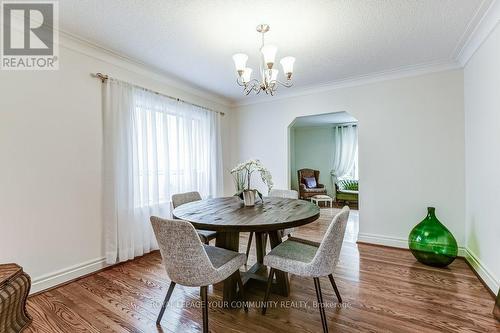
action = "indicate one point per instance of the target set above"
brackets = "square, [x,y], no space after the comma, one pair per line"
[240,62]
[269,53]
[287,64]
[247,73]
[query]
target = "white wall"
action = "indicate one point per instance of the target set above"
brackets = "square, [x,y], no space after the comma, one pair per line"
[482,137]
[50,163]
[411,148]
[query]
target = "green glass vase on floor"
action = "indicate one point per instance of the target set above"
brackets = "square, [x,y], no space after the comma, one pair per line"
[432,243]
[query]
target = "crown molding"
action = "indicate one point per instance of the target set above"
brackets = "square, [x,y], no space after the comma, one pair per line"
[485,26]
[398,73]
[477,31]
[470,28]
[96,51]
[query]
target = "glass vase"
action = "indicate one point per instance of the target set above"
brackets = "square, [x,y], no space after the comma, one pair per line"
[431,242]
[249,198]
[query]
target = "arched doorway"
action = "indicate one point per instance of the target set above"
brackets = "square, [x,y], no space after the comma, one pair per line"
[326,144]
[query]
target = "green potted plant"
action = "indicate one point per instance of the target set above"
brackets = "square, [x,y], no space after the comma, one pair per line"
[242,176]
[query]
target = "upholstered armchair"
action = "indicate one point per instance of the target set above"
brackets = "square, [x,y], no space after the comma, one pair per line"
[305,191]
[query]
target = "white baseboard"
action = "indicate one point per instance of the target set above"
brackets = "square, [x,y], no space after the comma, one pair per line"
[476,264]
[67,274]
[481,270]
[383,240]
[401,243]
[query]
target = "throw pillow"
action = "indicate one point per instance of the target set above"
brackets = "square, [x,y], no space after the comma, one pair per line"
[310,182]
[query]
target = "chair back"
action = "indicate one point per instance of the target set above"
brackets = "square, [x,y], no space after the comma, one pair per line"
[184,257]
[289,194]
[182,198]
[328,253]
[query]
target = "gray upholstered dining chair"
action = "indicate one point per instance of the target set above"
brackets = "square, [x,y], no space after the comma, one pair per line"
[310,259]
[290,194]
[190,263]
[183,198]
[275,193]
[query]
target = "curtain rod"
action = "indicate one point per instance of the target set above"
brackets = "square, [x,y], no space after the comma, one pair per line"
[105,77]
[328,125]
[352,123]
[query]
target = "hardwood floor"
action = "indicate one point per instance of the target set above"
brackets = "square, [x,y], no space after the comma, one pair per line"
[384,290]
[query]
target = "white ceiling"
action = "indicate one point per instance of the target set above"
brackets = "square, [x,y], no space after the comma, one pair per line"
[324,119]
[331,40]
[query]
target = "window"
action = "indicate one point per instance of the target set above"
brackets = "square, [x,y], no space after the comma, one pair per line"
[353,173]
[173,143]
[345,154]
[153,147]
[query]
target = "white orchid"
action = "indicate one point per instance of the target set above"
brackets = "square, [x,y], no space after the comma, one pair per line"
[242,174]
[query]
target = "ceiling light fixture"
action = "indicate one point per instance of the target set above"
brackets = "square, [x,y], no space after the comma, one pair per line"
[269,76]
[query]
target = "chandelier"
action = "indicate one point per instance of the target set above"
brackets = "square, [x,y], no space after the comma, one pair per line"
[268,75]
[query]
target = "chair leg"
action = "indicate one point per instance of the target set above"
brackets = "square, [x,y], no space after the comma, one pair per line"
[319,296]
[334,285]
[268,290]
[204,307]
[165,302]
[242,290]
[248,245]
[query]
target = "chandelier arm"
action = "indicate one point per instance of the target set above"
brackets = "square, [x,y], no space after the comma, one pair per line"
[248,89]
[275,87]
[254,82]
[251,83]
[251,86]
[287,83]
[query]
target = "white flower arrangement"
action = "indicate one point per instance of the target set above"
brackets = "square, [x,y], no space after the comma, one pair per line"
[242,175]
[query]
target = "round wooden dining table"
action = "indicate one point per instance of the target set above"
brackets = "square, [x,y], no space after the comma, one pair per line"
[229,216]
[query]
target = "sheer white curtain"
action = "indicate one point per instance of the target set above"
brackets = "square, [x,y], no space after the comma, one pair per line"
[154,146]
[345,139]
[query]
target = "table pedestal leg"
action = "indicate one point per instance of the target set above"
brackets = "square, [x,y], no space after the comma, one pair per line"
[260,246]
[230,241]
[281,277]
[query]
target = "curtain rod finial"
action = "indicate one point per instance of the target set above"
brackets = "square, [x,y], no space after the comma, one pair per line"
[102,77]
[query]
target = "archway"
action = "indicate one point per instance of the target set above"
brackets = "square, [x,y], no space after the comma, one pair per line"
[326,143]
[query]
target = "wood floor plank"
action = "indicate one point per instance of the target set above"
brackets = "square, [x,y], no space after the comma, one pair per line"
[384,290]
